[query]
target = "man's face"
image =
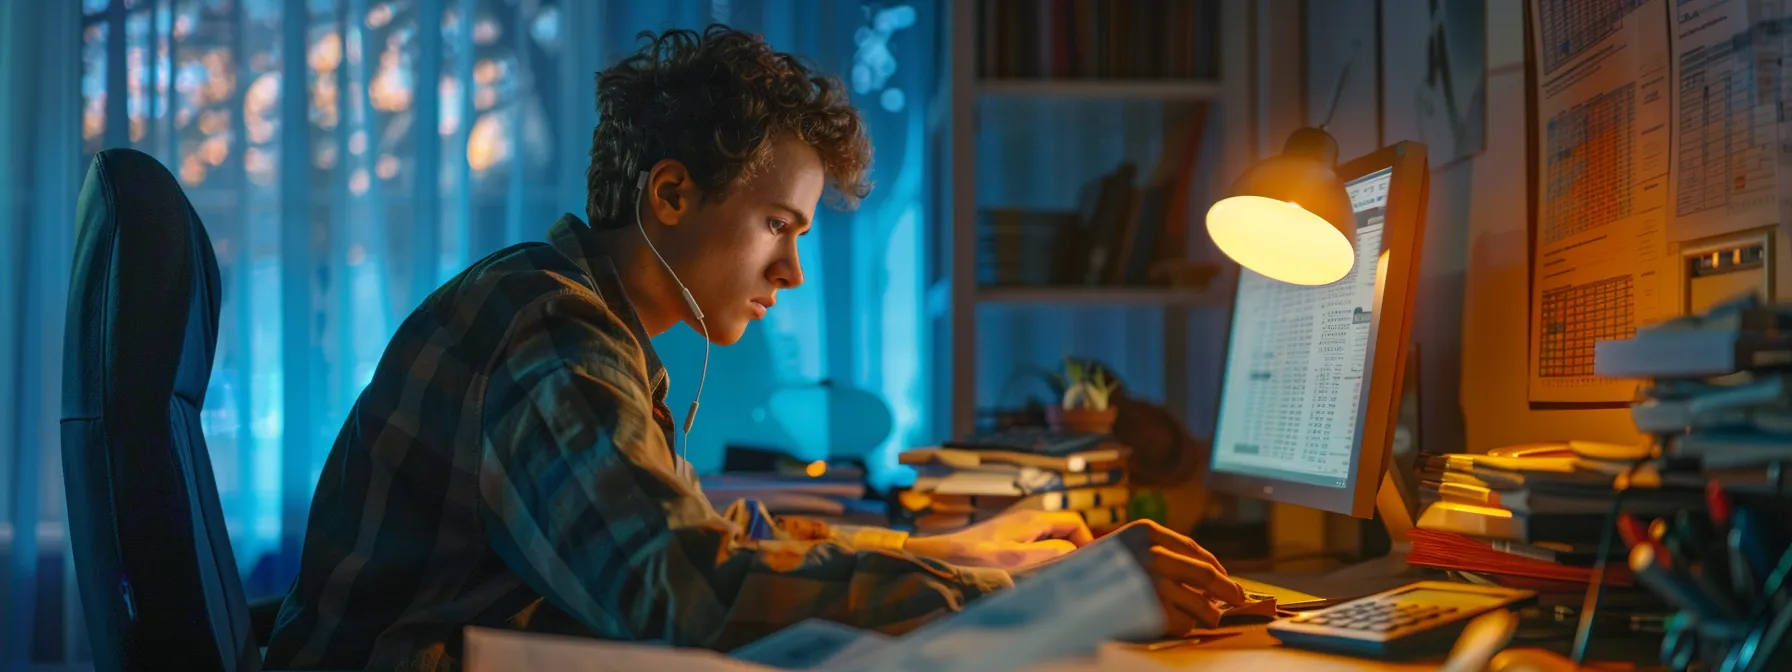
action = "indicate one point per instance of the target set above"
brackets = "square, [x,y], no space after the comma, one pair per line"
[735,253]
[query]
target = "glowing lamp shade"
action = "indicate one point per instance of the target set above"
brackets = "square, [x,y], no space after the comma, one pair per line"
[1288,217]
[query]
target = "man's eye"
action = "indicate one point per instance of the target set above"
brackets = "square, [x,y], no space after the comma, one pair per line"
[777,225]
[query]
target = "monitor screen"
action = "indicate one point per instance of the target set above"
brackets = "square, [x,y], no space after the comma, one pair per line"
[1292,401]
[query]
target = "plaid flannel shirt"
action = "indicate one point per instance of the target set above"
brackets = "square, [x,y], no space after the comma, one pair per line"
[510,465]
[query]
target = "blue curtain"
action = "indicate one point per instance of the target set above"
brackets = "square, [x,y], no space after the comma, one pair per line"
[347,156]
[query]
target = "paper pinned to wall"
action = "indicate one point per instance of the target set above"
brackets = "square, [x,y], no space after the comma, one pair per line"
[1779,53]
[1726,94]
[1601,261]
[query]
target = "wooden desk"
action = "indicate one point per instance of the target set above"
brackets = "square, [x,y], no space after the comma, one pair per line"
[1254,649]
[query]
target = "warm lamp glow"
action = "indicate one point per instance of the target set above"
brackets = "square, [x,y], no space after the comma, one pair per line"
[1288,217]
[816,469]
[1280,239]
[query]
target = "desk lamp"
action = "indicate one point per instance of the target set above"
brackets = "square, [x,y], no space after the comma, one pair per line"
[1288,217]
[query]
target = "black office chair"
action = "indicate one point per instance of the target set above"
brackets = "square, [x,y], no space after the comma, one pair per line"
[158,582]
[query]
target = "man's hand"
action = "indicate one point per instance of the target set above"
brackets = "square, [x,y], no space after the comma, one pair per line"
[1010,541]
[1188,579]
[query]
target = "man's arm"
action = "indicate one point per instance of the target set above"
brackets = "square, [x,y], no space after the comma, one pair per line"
[743,514]
[583,501]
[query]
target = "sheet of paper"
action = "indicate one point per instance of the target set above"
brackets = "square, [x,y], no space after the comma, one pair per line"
[810,644]
[1725,107]
[1066,611]
[1779,13]
[1601,256]
[1062,614]
[492,650]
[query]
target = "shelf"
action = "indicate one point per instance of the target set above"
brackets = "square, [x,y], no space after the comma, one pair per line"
[1139,89]
[1101,296]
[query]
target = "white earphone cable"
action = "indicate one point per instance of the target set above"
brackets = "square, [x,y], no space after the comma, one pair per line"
[690,417]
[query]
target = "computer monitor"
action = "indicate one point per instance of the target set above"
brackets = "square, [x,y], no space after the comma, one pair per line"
[1311,388]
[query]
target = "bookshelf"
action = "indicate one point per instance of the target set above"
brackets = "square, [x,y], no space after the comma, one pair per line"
[1031,67]
[1103,296]
[1135,89]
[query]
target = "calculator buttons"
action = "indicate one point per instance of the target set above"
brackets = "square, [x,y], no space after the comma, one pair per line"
[1378,616]
[1421,618]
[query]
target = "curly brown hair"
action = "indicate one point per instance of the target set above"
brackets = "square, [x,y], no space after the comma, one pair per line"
[715,102]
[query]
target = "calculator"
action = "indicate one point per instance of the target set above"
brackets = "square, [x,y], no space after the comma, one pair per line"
[1416,619]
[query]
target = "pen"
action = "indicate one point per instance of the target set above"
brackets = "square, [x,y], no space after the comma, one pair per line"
[1745,521]
[1693,531]
[1711,584]
[1680,642]
[1742,579]
[1773,591]
[1693,536]
[1631,530]
[1648,568]
[1658,533]
[1718,503]
[1763,648]
[1674,541]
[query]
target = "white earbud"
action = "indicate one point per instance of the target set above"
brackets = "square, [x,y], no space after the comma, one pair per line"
[690,418]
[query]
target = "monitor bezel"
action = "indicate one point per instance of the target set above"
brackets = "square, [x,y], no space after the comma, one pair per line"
[1403,241]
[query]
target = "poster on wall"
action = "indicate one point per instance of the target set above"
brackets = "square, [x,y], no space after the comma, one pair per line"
[1600,261]
[1725,117]
[1434,53]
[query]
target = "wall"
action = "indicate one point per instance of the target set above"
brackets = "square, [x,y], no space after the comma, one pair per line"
[1496,296]
[1472,317]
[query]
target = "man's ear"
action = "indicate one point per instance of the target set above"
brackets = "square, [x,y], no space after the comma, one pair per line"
[673,193]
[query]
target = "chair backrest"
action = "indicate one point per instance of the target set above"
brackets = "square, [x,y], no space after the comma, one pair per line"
[159,585]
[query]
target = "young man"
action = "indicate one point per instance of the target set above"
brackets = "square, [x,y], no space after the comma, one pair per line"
[510,465]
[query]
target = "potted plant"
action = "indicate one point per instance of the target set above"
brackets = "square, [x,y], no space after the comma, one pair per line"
[1084,407]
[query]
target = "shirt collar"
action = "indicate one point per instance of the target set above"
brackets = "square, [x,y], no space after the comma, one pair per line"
[574,238]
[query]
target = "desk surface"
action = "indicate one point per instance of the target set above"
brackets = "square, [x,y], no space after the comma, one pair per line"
[1253,648]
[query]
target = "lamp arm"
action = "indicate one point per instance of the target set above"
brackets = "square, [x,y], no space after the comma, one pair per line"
[1356,47]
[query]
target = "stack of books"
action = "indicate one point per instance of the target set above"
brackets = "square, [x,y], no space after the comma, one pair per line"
[1116,39]
[1025,247]
[1717,396]
[1539,511]
[836,494]
[964,482]
[1714,401]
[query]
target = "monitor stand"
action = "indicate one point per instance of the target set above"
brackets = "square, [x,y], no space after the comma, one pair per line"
[1375,575]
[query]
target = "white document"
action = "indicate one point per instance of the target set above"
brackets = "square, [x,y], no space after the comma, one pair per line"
[1779,13]
[1726,171]
[492,650]
[1601,263]
[1067,610]
[1063,614]
[812,644]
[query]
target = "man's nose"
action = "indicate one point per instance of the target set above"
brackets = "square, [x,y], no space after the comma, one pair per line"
[788,272]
